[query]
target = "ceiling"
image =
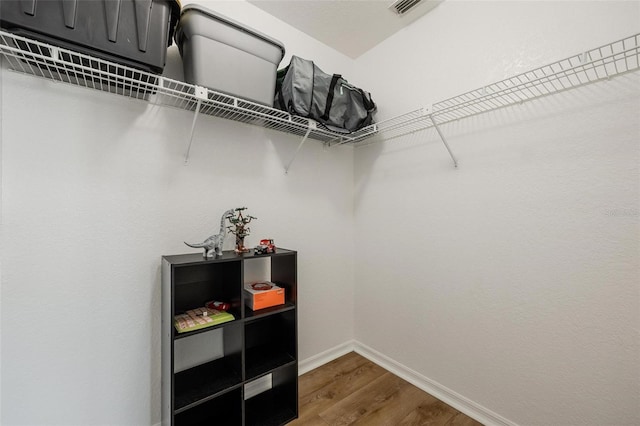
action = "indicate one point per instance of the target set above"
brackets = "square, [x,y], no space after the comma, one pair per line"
[349,26]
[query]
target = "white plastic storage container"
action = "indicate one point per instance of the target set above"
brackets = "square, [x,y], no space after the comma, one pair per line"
[226,56]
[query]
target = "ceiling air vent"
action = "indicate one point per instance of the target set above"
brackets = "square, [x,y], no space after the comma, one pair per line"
[401,7]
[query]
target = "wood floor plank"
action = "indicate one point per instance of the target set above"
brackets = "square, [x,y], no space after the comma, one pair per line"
[309,421]
[396,407]
[338,383]
[329,372]
[435,413]
[460,419]
[352,390]
[366,402]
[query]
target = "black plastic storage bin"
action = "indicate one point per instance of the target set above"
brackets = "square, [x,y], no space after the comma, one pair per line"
[135,33]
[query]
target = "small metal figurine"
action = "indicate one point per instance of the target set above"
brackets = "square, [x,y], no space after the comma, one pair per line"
[213,244]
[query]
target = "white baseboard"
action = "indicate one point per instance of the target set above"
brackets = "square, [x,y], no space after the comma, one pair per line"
[322,358]
[457,401]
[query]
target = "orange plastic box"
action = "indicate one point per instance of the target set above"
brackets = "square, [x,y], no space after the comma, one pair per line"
[258,298]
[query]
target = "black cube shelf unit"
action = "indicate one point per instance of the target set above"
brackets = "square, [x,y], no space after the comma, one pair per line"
[242,372]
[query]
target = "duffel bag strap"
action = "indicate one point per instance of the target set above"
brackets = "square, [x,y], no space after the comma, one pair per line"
[369,105]
[332,86]
[280,76]
[283,106]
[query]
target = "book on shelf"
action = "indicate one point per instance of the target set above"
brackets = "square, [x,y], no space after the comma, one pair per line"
[198,318]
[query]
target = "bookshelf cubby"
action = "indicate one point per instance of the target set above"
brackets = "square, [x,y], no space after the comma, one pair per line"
[205,373]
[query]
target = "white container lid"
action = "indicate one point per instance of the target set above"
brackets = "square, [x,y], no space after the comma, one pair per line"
[210,31]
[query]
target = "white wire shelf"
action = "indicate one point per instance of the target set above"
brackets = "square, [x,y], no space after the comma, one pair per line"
[54,63]
[598,64]
[43,60]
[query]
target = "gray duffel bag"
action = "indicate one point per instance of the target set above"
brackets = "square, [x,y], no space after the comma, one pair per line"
[304,89]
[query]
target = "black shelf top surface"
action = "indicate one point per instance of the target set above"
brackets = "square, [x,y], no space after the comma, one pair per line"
[199,384]
[227,256]
[262,411]
[178,336]
[263,359]
[250,315]
[275,370]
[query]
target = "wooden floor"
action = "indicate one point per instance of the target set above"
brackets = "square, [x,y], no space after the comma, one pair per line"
[352,390]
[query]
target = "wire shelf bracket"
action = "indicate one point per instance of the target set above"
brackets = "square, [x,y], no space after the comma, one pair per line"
[444,140]
[201,95]
[312,126]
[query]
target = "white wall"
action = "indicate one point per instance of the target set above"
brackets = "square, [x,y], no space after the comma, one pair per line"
[94,191]
[514,279]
